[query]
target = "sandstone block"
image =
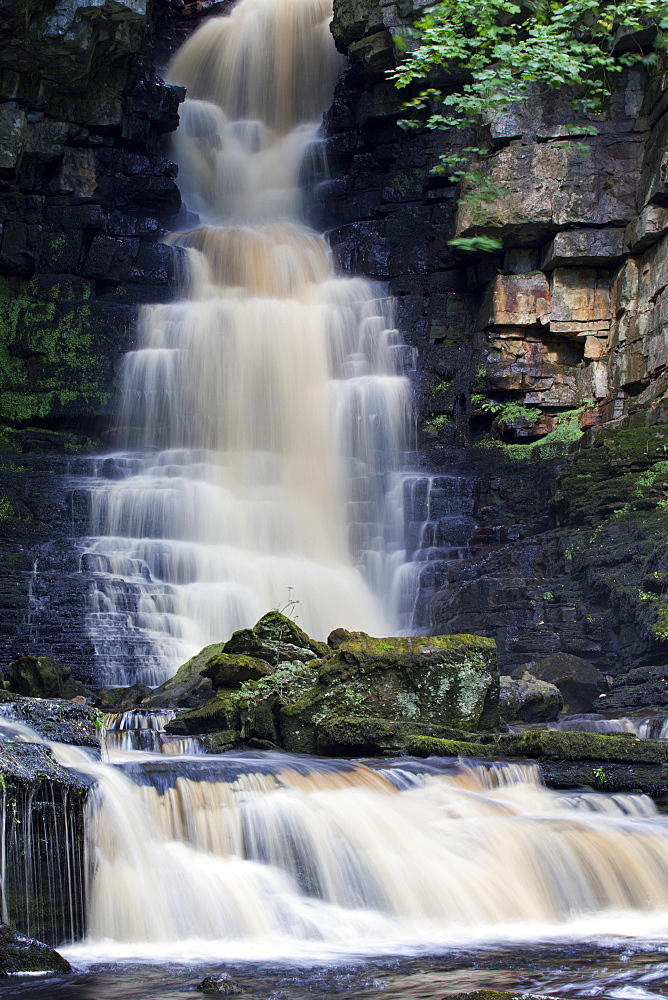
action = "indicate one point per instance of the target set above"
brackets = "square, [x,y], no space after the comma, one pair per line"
[585,246]
[518,300]
[579,295]
[648,227]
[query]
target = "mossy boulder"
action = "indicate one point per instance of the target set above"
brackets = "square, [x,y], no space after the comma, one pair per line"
[42,677]
[356,736]
[228,670]
[122,699]
[444,680]
[527,699]
[20,954]
[275,639]
[249,655]
[580,682]
[222,712]
[188,688]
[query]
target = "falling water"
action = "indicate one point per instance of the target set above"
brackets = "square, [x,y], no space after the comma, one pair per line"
[252,855]
[145,730]
[243,855]
[263,414]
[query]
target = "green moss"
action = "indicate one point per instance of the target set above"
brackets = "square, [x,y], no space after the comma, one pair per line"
[6,509]
[545,744]
[553,445]
[47,361]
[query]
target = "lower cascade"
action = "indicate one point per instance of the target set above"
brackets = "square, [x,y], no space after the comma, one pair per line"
[254,854]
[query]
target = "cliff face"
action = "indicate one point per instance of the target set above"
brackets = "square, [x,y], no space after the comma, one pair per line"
[541,381]
[557,344]
[86,191]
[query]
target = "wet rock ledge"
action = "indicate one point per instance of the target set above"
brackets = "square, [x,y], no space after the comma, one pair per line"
[272,687]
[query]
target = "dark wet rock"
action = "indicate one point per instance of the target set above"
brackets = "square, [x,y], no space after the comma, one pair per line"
[121,699]
[53,719]
[29,764]
[220,985]
[42,677]
[230,670]
[499,995]
[20,954]
[527,699]
[580,682]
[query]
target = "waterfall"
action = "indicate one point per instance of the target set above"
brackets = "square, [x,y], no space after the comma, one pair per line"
[256,854]
[264,414]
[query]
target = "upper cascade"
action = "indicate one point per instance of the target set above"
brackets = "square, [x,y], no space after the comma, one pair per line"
[271,61]
[264,415]
[258,83]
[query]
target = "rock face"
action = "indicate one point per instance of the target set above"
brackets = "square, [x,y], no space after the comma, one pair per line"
[87,189]
[541,372]
[44,867]
[528,699]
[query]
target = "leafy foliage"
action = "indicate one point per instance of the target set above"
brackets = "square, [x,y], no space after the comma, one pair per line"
[504,48]
[505,412]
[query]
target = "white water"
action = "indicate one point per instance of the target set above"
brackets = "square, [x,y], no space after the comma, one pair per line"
[247,856]
[265,413]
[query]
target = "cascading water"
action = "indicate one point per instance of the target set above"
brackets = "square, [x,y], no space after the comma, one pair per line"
[265,413]
[254,855]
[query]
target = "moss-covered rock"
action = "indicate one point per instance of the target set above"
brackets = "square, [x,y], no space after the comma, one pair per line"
[218,714]
[444,680]
[42,677]
[122,699]
[20,954]
[228,670]
[289,684]
[275,639]
[188,688]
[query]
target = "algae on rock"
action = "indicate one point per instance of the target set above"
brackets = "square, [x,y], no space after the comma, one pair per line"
[275,684]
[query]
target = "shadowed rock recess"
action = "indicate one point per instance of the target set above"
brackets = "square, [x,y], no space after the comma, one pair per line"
[541,377]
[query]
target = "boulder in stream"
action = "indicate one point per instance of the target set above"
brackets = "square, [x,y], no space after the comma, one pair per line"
[219,986]
[20,954]
[448,680]
[42,677]
[579,681]
[275,684]
[527,699]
